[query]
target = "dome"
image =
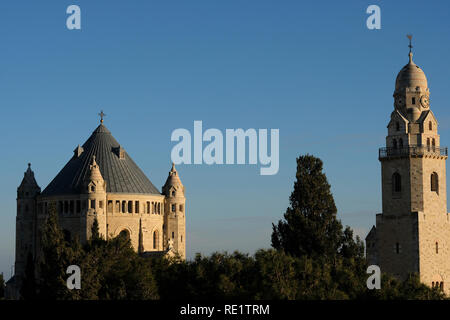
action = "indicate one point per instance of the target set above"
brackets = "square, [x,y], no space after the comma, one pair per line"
[411,76]
[112,163]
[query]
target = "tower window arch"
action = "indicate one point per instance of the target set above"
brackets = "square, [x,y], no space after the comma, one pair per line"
[394,143]
[413,100]
[428,144]
[397,126]
[437,247]
[396,182]
[435,182]
[433,144]
[400,143]
[430,126]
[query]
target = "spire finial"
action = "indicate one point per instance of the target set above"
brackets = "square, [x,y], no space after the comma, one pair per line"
[102,115]
[29,165]
[409,36]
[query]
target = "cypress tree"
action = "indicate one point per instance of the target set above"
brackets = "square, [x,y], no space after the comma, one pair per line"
[310,226]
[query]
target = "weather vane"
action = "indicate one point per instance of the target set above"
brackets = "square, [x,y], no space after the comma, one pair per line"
[102,115]
[409,36]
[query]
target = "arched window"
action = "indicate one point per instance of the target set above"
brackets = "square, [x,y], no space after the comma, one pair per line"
[155,240]
[400,143]
[430,125]
[397,126]
[435,182]
[433,144]
[130,206]
[441,286]
[110,206]
[125,234]
[397,248]
[428,144]
[394,143]
[437,248]
[396,182]
[124,207]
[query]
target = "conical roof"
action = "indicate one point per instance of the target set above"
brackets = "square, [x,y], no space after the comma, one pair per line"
[117,168]
[28,178]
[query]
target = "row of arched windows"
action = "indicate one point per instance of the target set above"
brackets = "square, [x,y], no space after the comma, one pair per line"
[438,284]
[126,234]
[397,182]
[134,207]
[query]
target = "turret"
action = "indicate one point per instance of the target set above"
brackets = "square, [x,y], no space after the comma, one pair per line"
[174,218]
[26,219]
[95,188]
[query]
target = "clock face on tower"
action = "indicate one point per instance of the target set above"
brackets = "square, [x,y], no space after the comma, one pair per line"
[424,101]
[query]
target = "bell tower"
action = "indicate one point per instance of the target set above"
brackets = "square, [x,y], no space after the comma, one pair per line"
[412,234]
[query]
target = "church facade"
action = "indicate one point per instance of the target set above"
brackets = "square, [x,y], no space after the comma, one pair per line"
[101,182]
[412,234]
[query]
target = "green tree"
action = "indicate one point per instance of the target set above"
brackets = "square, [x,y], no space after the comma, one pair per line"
[109,269]
[310,226]
[311,231]
[57,255]
[409,289]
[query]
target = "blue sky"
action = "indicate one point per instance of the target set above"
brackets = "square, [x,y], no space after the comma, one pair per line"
[311,69]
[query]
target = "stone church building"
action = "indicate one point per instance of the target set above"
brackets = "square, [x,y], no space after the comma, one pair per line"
[101,182]
[412,234]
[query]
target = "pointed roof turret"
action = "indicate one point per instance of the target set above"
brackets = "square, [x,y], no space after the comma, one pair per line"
[94,174]
[28,178]
[173,180]
[29,182]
